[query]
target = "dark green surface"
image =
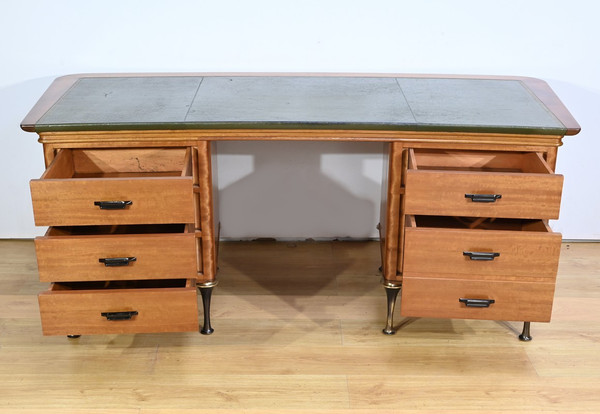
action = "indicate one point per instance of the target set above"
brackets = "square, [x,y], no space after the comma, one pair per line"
[300,100]
[475,102]
[189,102]
[107,101]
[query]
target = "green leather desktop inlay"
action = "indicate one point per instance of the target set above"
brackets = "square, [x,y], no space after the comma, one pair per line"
[104,102]
[193,102]
[461,103]
[300,100]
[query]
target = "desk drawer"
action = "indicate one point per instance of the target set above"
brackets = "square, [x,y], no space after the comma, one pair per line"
[501,249]
[119,307]
[115,186]
[441,298]
[481,184]
[85,253]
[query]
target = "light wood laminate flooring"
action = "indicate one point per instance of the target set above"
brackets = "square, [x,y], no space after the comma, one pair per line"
[298,329]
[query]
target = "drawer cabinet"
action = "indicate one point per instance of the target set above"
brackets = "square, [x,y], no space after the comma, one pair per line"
[476,239]
[122,250]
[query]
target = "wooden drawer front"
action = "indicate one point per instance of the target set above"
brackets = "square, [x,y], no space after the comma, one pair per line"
[511,249]
[513,301]
[456,183]
[65,255]
[151,192]
[72,309]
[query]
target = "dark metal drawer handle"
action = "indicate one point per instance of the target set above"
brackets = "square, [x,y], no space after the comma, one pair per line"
[481,255]
[113,205]
[483,198]
[119,316]
[117,261]
[477,303]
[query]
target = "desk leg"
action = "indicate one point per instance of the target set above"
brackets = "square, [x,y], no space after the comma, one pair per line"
[206,293]
[391,290]
[526,334]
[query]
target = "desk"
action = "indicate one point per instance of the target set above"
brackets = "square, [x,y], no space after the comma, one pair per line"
[129,199]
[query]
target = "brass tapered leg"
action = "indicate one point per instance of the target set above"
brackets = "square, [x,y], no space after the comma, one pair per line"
[391,290]
[206,293]
[526,334]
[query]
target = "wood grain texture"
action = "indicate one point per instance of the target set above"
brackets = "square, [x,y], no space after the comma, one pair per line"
[313,346]
[392,191]
[523,255]
[440,159]
[65,311]
[184,137]
[433,297]
[172,161]
[76,257]
[437,182]
[157,186]
[71,202]
[207,209]
[528,196]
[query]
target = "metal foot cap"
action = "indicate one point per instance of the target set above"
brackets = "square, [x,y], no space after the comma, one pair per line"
[525,338]
[207,331]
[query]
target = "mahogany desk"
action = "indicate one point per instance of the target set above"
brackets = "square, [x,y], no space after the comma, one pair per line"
[129,199]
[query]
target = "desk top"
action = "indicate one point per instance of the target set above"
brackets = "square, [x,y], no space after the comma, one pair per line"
[352,102]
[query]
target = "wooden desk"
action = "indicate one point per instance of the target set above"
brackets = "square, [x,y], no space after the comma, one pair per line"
[128,191]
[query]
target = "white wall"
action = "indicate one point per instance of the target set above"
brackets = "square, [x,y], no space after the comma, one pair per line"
[321,189]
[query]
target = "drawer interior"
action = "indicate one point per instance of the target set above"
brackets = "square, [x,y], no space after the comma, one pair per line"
[479,161]
[480,223]
[122,162]
[121,284]
[118,229]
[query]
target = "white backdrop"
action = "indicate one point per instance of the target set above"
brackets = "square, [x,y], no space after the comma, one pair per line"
[292,190]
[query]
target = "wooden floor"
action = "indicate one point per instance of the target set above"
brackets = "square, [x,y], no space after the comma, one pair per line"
[298,329]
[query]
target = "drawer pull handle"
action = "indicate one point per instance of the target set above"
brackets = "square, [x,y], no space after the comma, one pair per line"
[481,255]
[113,205]
[483,198]
[477,303]
[119,316]
[117,261]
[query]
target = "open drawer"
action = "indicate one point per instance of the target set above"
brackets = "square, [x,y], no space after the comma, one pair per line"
[115,186]
[77,308]
[482,184]
[85,253]
[471,248]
